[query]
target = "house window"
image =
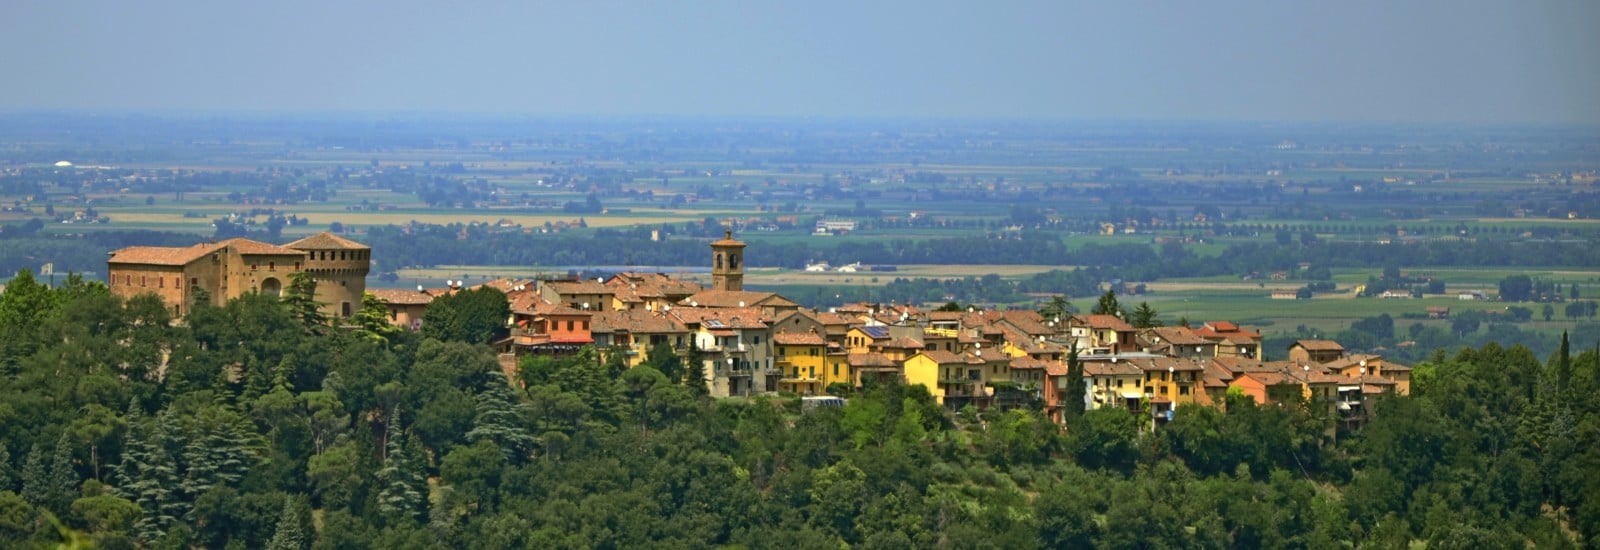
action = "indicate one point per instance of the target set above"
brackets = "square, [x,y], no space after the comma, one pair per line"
[569,326]
[835,370]
[252,267]
[141,280]
[783,351]
[177,282]
[272,266]
[1183,390]
[161,282]
[584,325]
[194,281]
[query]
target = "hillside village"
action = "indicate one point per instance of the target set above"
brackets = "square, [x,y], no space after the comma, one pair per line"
[747,342]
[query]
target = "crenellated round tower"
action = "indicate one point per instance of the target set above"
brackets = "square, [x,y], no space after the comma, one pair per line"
[340,267]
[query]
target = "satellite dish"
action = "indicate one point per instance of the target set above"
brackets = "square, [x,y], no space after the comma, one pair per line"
[741,303]
[1363,363]
[419,288]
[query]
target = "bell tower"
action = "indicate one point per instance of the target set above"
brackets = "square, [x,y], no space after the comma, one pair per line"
[727,263]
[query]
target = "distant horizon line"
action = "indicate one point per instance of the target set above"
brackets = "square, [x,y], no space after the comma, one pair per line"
[511,116]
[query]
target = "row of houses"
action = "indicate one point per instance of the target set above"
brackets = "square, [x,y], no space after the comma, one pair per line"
[747,342]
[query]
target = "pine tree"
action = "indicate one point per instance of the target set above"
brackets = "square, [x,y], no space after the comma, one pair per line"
[300,297]
[35,484]
[499,419]
[63,482]
[7,476]
[1107,305]
[221,449]
[290,533]
[147,476]
[400,487]
[1145,316]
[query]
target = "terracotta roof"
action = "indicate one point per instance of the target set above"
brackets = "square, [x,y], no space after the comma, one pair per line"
[578,287]
[945,315]
[901,343]
[807,338]
[1105,322]
[326,241]
[400,296]
[727,240]
[508,286]
[943,357]
[543,308]
[1057,368]
[1318,345]
[635,321]
[176,256]
[255,248]
[735,298]
[1269,378]
[1153,364]
[835,319]
[1221,326]
[728,318]
[1028,363]
[1028,321]
[1176,335]
[160,255]
[869,360]
[1110,368]
[527,303]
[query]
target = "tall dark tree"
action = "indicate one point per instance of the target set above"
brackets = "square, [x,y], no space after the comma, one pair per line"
[1107,304]
[7,475]
[1563,365]
[301,298]
[1072,396]
[474,316]
[1145,317]
[502,420]
[291,532]
[148,476]
[35,477]
[1058,307]
[401,489]
[64,480]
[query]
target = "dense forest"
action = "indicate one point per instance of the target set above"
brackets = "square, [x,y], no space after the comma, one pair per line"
[255,425]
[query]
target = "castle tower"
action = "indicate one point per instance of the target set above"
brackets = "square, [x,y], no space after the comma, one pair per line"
[727,263]
[340,267]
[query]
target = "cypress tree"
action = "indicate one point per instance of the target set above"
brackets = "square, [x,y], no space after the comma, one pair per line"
[1072,395]
[1563,365]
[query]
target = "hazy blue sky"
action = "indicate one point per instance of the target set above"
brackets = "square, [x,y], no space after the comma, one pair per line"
[1404,61]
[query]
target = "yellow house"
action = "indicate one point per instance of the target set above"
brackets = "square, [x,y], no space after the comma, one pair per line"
[863,339]
[954,380]
[1170,380]
[803,362]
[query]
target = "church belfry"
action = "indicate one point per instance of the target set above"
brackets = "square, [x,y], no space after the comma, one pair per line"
[727,263]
